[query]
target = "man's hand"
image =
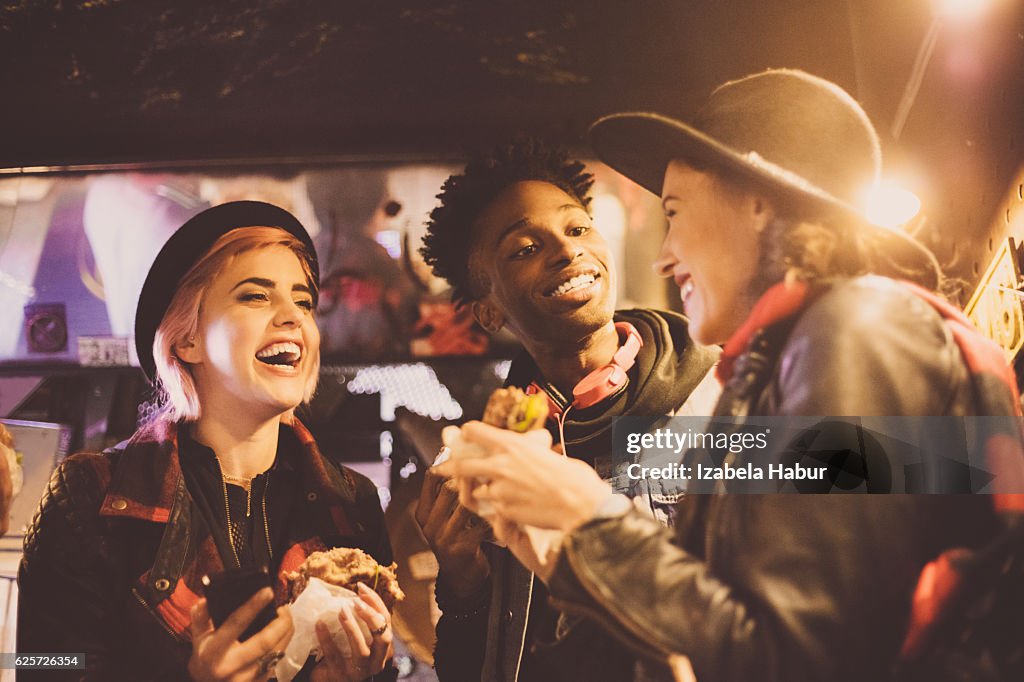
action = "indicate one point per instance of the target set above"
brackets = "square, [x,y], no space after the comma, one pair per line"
[454,533]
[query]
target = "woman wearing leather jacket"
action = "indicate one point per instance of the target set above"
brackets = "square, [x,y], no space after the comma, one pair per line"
[773,260]
[225,477]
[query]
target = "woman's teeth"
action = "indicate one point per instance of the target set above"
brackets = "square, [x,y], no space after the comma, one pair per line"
[577,282]
[285,353]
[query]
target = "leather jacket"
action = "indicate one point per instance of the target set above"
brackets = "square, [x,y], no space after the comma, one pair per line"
[114,558]
[793,587]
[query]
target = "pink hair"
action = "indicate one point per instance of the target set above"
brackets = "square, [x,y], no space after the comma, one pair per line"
[181,321]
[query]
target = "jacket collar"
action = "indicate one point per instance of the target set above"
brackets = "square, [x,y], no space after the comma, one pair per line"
[148,475]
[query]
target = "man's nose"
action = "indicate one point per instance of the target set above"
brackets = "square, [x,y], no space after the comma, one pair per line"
[565,250]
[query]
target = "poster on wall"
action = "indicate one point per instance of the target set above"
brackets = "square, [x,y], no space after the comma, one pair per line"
[75,250]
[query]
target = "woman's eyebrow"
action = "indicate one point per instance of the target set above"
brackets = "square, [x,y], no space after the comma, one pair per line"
[259,281]
[270,284]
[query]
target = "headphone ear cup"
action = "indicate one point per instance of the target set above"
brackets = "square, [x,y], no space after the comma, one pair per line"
[603,381]
[598,385]
[625,356]
[608,380]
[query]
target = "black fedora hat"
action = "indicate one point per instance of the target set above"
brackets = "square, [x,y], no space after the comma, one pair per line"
[186,246]
[788,130]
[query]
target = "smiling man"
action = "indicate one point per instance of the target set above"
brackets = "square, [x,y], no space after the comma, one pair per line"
[515,239]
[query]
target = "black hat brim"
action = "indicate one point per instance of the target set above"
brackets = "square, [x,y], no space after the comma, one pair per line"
[186,246]
[640,146]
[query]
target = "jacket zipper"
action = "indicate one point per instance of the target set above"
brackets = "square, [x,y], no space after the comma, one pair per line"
[156,617]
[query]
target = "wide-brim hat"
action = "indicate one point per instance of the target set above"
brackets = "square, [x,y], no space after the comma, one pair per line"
[784,129]
[186,247]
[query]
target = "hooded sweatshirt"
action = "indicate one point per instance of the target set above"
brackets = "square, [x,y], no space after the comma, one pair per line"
[668,368]
[498,641]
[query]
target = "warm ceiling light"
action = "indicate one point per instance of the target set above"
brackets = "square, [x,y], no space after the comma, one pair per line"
[888,205]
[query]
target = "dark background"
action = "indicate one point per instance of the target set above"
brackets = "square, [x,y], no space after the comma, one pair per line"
[171,82]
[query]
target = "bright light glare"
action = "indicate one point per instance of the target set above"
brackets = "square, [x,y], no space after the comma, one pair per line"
[889,205]
[960,9]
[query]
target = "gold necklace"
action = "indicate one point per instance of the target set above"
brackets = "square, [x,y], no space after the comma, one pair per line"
[240,481]
[248,509]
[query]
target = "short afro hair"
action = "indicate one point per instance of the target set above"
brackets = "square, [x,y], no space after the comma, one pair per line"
[450,230]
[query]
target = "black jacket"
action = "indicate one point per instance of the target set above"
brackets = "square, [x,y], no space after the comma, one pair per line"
[114,558]
[794,588]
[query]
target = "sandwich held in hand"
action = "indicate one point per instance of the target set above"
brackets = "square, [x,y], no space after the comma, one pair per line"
[325,584]
[508,408]
[512,409]
[346,567]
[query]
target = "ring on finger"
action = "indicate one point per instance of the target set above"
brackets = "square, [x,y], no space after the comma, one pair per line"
[380,631]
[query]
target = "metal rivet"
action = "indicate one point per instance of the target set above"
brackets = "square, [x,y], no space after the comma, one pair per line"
[119,504]
[311,497]
[162,584]
[508,616]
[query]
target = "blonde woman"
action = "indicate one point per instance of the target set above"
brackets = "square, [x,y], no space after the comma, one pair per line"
[225,477]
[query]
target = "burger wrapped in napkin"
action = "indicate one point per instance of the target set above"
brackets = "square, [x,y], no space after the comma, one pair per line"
[507,408]
[322,586]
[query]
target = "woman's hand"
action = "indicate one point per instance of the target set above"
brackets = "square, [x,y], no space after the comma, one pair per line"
[364,660]
[218,655]
[527,483]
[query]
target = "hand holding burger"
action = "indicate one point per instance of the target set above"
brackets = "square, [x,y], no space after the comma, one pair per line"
[344,597]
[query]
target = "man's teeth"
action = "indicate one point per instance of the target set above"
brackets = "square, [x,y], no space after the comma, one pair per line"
[687,287]
[576,282]
[289,351]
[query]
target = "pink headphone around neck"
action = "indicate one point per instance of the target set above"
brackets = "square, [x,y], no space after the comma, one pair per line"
[603,381]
